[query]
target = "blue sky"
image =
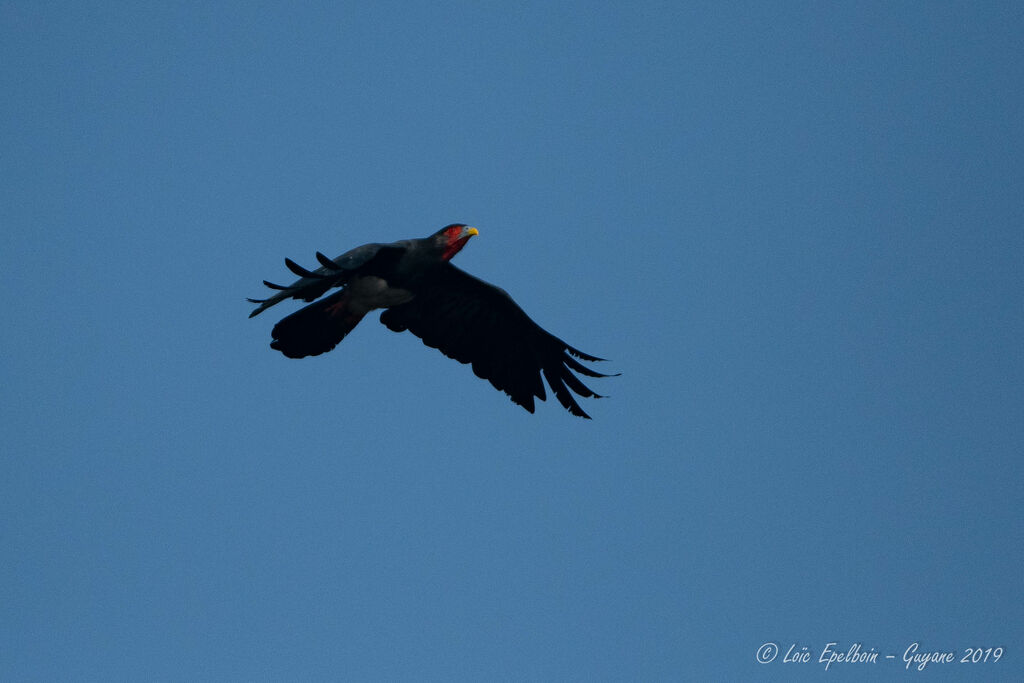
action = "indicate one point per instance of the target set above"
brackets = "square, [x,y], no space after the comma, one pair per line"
[794,228]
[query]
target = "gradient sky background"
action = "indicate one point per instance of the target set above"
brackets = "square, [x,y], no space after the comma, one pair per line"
[795,228]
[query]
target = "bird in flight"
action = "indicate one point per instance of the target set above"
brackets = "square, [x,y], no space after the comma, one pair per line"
[462,316]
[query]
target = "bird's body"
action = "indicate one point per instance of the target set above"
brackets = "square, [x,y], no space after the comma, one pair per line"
[465,318]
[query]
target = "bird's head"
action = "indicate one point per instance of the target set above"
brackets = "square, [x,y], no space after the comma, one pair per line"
[453,238]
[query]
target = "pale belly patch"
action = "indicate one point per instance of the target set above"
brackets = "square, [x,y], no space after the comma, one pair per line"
[368,293]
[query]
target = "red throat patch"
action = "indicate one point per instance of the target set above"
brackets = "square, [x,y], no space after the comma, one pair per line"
[456,240]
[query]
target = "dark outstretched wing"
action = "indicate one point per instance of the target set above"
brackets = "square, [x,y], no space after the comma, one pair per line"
[331,273]
[475,322]
[316,328]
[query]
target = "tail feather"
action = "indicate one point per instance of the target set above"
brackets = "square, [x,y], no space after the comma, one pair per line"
[315,329]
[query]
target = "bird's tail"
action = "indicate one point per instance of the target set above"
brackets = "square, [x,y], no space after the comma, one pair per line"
[317,328]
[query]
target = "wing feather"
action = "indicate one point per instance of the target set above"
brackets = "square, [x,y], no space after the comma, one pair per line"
[479,324]
[332,273]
